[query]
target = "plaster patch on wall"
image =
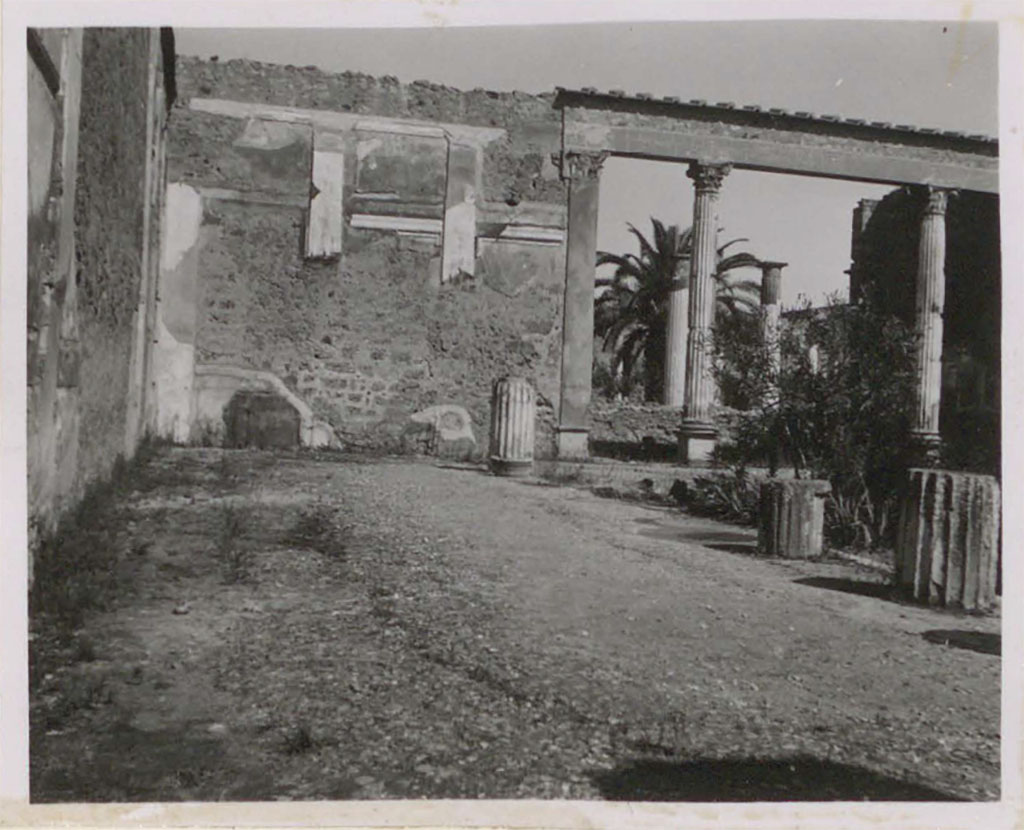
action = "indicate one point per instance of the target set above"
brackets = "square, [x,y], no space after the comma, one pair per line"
[261,134]
[174,350]
[183,214]
[408,224]
[173,375]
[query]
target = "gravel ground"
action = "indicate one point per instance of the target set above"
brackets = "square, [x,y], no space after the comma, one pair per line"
[298,627]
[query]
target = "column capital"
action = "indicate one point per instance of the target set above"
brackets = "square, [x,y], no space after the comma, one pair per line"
[937,201]
[707,178]
[771,282]
[581,165]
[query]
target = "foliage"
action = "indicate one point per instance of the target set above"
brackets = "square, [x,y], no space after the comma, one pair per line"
[75,563]
[843,415]
[724,495]
[236,559]
[632,314]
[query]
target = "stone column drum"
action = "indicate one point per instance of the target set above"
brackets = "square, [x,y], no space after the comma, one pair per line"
[931,291]
[792,518]
[583,172]
[513,412]
[697,433]
[947,550]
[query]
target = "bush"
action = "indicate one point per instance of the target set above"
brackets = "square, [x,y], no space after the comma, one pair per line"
[841,414]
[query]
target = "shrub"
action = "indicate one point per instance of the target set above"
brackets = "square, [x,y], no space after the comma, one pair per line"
[842,415]
[731,496]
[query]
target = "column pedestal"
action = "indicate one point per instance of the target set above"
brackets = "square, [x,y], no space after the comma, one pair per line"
[572,443]
[697,441]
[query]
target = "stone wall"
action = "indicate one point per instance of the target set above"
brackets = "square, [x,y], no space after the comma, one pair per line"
[109,215]
[94,133]
[434,267]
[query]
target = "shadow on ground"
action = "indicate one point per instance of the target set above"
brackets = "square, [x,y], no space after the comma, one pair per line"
[749,548]
[875,590]
[752,779]
[980,641]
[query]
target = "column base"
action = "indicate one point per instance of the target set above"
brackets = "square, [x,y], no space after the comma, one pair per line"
[697,441]
[925,447]
[573,443]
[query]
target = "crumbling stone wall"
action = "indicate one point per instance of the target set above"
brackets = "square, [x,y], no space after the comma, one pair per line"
[519,168]
[109,201]
[95,117]
[368,338]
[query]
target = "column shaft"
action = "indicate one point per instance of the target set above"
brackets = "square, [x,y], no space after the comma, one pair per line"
[583,172]
[675,342]
[771,287]
[931,291]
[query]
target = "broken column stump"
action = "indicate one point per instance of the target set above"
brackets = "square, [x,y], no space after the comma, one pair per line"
[513,409]
[792,518]
[947,550]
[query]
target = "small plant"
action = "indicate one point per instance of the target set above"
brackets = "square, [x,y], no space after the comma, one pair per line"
[78,692]
[731,496]
[317,529]
[235,557]
[299,740]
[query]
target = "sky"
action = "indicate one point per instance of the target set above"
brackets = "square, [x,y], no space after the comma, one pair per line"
[930,74]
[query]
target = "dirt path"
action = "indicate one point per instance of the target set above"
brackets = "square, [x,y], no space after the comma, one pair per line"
[459,635]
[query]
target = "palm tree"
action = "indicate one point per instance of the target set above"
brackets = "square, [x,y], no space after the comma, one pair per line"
[632,314]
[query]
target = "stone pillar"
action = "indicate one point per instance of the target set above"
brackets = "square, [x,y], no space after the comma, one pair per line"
[675,341]
[931,291]
[697,433]
[771,287]
[583,171]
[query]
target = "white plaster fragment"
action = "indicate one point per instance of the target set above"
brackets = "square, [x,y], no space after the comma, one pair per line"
[451,421]
[408,224]
[324,227]
[173,362]
[182,216]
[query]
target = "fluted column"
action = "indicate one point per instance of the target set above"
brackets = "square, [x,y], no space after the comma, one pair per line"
[583,171]
[697,433]
[771,288]
[675,341]
[931,293]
